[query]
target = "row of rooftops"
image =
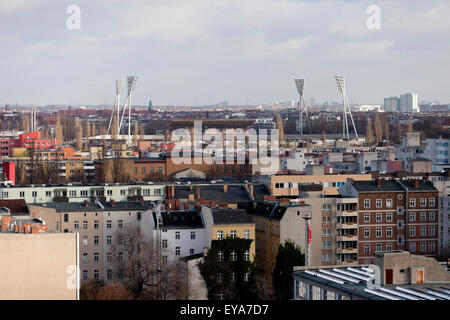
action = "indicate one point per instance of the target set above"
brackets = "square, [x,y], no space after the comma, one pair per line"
[382,185]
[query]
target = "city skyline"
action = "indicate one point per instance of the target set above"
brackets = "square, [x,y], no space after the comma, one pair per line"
[198,53]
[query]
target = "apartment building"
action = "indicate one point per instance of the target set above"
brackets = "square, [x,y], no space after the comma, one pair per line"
[74,192]
[396,275]
[275,223]
[181,234]
[221,223]
[100,226]
[281,185]
[395,215]
[37,264]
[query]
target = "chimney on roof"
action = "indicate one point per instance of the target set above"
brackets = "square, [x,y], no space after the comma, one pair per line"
[225,188]
[113,202]
[378,182]
[86,203]
[198,191]
[251,190]
[416,183]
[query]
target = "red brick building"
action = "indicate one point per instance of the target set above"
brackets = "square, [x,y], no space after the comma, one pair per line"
[395,215]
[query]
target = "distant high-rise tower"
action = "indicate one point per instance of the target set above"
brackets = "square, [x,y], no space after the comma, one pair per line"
[409,103]
[150,106]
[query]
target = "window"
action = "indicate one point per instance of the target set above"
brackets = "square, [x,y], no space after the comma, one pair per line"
[191,251]
[431,231]
[177,235]
[379,217]
[431,246]
[412,216]
[96,224]
[388,246]
[233,256]
[423,202]
[85,225]
[120,256]
[399,210]
[246,234]
[109,274]
[48,193]
[66,217]
[388,217]
[400,240]
[164,260]
[108,224]
[247,276]
[220,255]
[85,274]
[412,231]
[233,234]
[423,247]
[57,225]
[412,202]
[366,232]
[326,257]
[379,203]
[233,276]
[423,231]
[96,256]
[378,232]
[108,256]
[388,203]
[135,170]
[431,202]
[96,240]
[85,257]
[366,217]
[220,235]
[85,240]
[366,203]
[431,216]
[22,194]
[73,193]
[326,207]
[76,224]
[219,277]
[247,255]
[366,248]
[388,232]
[378,247]
[164,243]
[96,273]
[326,232]
[119,224]
[326,244]
[177,251]
[400,197]
[423,216]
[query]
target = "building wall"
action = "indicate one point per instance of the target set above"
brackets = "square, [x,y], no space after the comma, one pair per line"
[239,234]
[35,266]
[291,182]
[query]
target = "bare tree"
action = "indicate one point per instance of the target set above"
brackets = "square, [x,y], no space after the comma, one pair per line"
[144,273]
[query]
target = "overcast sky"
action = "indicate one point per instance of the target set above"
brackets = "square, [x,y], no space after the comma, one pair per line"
[195,52]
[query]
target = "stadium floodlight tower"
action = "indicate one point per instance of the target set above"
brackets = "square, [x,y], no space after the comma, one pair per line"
[119,88]
[131,82]
[302,106]
[340,80]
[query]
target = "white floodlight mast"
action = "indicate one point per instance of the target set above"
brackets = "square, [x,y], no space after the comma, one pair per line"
[131,82]
[119,88]
[302,106]
[340,80]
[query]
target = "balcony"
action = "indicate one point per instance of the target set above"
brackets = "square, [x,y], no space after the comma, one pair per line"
[347,238]
[347,213]
[347,225]
[346,250]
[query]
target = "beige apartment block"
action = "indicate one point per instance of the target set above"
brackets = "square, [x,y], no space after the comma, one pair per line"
[38,266]
[288,185]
